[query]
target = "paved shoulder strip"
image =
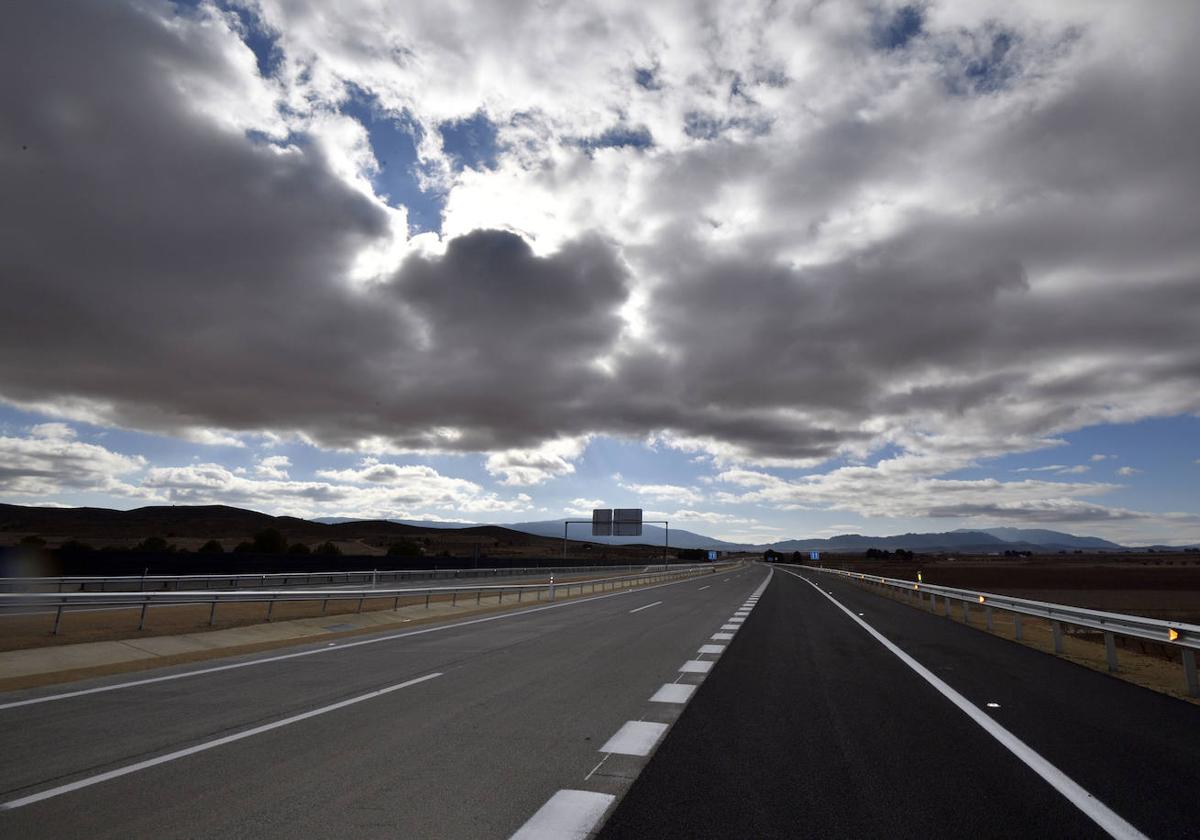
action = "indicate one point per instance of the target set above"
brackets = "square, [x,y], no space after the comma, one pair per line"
[1097,811]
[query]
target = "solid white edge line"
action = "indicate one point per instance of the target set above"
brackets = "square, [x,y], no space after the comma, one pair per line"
[207,745]
[1097,811]
[280,658]
[567,815]
[646,607]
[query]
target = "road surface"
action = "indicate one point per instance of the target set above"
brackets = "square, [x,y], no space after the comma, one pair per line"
[778,710]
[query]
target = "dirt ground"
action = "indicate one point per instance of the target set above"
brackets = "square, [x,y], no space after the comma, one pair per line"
[1158,586]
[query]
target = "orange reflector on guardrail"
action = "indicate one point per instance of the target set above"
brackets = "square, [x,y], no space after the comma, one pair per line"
[1172,634]
[982,599]
[916,586]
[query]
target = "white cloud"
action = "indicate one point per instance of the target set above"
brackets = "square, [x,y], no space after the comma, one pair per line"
[664,492]
[1057,469]
[534,466]
[212,437]
[376,490]
[1128,471]
[1099,457]
[708,517]
[53,431]
[582,507]
[51,460]
[273,466]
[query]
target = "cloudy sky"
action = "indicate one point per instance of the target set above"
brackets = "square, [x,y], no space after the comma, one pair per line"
[768,269]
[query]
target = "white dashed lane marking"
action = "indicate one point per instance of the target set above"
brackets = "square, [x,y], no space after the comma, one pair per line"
[673,693]
[637,737]
[567,815]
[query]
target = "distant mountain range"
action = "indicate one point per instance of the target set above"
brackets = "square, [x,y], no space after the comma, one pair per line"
[981,541]
[223,522]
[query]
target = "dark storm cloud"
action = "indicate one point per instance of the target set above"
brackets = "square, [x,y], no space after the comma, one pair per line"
[187,276]
[179,273]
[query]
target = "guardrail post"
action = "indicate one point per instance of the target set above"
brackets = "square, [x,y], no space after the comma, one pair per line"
[360,603]
[1189,671]
[396,603]
[1057,634]
[324,605]
[966,612]
[454,600]
[478,596]
[142,623]
[270,607]
[1017,633]
[212,613]
[58,620]
[1110,650]
[987,611]
[427,600]
[932,602]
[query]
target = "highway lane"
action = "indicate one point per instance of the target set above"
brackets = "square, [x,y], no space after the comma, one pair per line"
[520,709]
[810,727]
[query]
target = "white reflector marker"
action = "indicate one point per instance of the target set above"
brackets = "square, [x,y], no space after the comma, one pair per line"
[696,666]
[567,815]
[637,737]
[673,693]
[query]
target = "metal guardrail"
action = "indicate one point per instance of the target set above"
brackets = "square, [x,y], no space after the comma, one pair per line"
[62,602]
[1185,637]
[141,583]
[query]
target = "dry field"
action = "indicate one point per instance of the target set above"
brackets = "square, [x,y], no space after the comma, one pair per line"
[1158,586]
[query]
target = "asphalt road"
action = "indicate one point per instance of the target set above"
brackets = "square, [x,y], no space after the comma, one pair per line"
[462,731]
[537,721]
[808,726]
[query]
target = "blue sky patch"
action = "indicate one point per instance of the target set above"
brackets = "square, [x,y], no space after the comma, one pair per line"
[645,77]
[262,41]
[904,25]
[470,142]
[394,142]
[620,137]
